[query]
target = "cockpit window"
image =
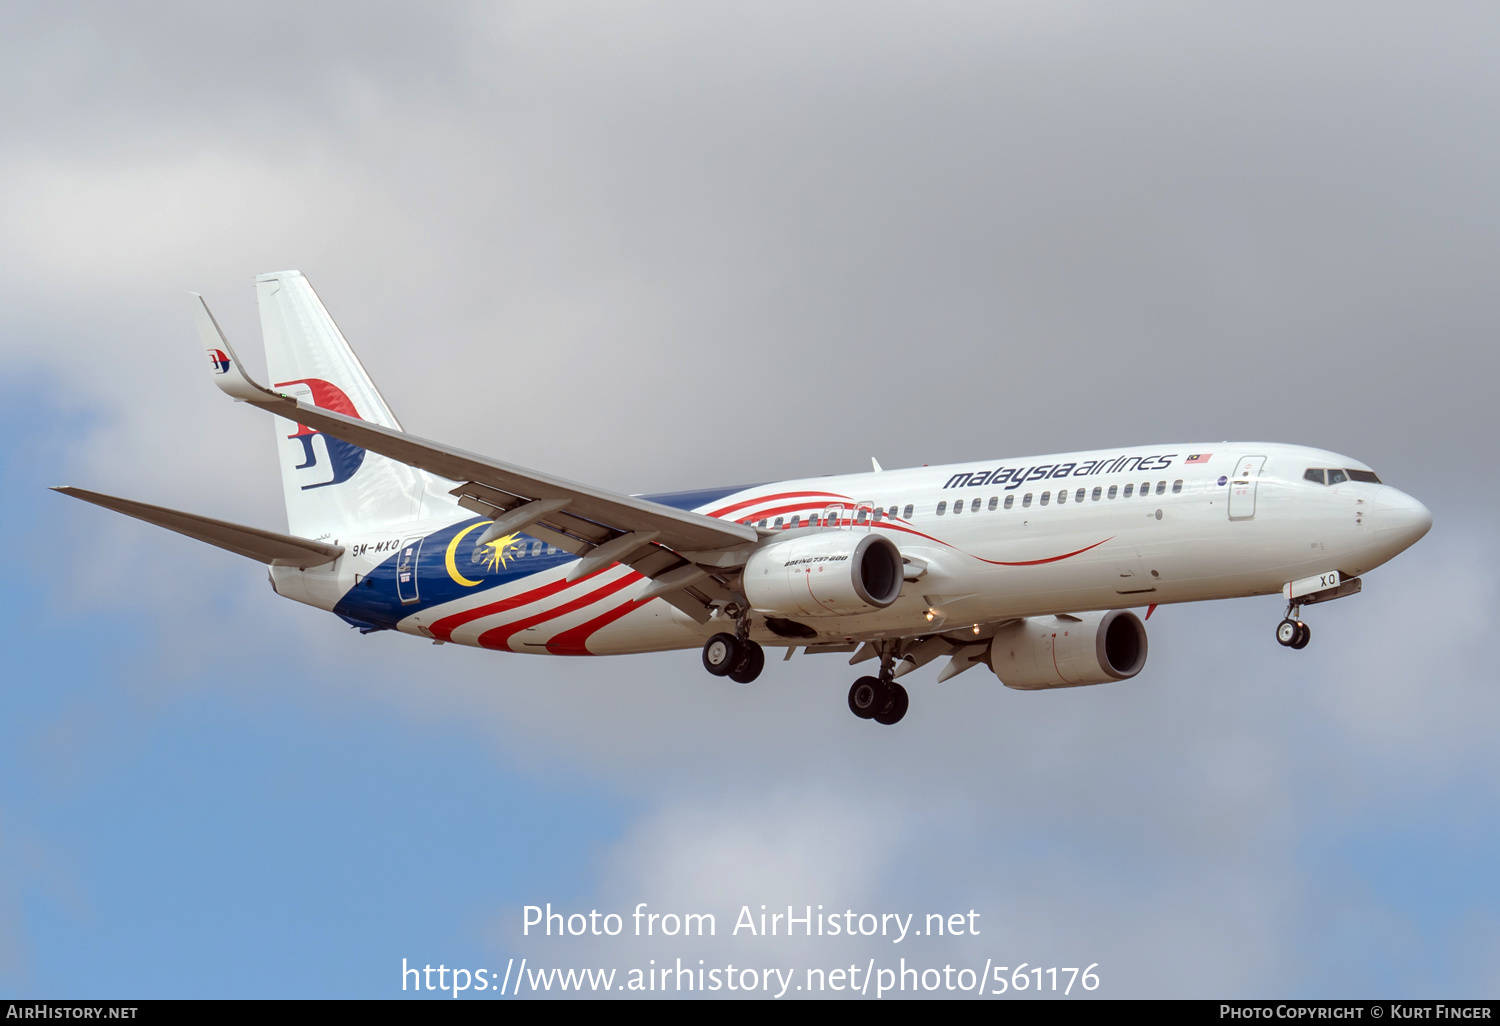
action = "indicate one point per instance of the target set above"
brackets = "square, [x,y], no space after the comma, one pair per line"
[1337,475]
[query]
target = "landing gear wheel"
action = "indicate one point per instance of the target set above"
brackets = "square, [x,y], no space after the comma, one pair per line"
[897,709]
[1287,633]
[752,661]
[866,696]
[721,654]
[1304,635]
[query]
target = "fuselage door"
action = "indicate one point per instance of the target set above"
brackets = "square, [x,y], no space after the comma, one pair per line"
[864,515]
[833,516]
[406,571]
[1242,487]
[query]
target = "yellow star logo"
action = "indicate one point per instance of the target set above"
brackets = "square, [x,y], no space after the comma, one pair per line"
[499,552]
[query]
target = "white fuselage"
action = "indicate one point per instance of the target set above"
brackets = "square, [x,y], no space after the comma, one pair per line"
[986,543]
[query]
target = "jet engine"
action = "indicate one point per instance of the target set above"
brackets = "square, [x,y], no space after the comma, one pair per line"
[824,573]
[1069,651]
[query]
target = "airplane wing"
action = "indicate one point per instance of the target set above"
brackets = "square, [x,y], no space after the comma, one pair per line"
[266,546]
[599,525]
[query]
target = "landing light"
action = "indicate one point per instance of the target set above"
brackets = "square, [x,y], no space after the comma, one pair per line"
[929,616]
[976,628]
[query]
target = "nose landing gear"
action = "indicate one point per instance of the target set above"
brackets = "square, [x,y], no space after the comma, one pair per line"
[880,698]
[1292,632]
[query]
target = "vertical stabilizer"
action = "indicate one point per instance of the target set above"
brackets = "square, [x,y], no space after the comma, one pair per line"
[330,486]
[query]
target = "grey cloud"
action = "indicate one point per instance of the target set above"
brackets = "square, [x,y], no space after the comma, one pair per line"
[1055,226]
[659,246]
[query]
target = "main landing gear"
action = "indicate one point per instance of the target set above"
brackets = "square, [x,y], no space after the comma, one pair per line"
[880,698]
[871,698]
[1292,632]
[739,659]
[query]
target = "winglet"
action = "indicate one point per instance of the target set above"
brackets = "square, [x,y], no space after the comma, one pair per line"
[228,373]
[874,463]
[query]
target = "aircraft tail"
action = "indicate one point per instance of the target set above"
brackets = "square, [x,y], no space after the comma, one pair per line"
[330,486]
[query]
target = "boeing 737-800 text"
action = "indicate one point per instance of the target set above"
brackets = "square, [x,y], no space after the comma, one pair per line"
[1029,566]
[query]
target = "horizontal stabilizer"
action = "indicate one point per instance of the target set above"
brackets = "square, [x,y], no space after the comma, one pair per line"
[266,546]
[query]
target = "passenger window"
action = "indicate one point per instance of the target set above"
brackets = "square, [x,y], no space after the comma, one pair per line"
[1026,500]
[1078,496]
[1128,490]
[812,520]
[907,514]
[1363,476]
[1336,477]
[778,523]
[994,502]
[958,506]
[974,508]
[1314,474]
[942,507]
[1045,497]
[879,515]
[1145,488]
[536,548]
[796,521]
[551,550]
[1097,493]
[1113,490]
[1161,488]
[1010,500]
[1177,486]
[762,521]
[1062,497]
[891,513]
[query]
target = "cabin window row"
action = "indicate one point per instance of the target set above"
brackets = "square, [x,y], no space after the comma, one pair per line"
[862,515]
[516,550]
[1081,495]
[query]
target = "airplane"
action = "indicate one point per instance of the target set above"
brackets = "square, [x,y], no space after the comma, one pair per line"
[1030,566]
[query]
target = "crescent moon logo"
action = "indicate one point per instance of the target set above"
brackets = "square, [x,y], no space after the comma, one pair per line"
[453,548]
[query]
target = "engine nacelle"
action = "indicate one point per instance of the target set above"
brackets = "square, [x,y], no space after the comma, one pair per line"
[1058,652]
[824,573]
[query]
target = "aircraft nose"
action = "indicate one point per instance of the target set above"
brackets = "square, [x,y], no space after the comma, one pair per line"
[1400,517]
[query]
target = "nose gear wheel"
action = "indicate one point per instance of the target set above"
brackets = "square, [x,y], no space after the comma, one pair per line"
[1293,634]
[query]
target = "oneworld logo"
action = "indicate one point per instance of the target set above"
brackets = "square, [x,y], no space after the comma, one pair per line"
[343,458]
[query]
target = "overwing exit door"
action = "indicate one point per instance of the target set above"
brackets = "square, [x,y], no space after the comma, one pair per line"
[1242,487]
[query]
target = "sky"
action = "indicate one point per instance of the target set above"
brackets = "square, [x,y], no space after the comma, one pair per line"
[657,246]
